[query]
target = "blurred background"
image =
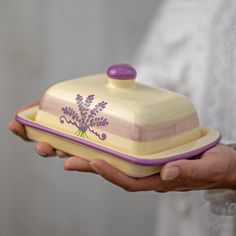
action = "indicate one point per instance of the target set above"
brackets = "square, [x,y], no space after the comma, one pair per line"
[41,43]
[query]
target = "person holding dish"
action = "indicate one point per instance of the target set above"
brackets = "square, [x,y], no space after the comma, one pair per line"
[189,48]
[213,169]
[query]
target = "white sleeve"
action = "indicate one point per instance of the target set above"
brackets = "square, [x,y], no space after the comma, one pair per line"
[164,55]
[222,201]
[221,113]
[168,58]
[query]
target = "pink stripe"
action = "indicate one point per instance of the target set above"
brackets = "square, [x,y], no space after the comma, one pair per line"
[127,129]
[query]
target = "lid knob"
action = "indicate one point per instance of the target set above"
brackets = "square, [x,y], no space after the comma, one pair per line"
[121,75]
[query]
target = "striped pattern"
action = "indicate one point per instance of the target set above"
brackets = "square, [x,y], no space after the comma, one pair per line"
[126,129]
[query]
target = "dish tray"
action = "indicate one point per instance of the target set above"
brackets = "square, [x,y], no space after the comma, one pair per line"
[132,165]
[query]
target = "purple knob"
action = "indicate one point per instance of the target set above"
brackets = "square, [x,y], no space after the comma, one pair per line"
[121,72]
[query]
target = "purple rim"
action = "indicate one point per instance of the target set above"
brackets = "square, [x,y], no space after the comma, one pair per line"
[120,155]
[121,72]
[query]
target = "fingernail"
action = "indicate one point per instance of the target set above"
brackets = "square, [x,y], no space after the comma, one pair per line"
[93,165]
[68,163]
[15,132]
[43,154]
[170,173]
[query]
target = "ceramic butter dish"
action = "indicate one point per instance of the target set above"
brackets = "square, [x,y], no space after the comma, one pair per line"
[134,127]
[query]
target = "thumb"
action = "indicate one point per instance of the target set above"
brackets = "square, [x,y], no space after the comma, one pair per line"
[187,170]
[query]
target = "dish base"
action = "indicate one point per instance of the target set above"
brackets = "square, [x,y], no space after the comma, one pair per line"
[135,166]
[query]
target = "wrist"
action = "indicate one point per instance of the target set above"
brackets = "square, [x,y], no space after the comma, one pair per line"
[232,145]
[231,180]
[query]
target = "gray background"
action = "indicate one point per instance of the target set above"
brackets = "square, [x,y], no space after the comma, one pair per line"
[41,43]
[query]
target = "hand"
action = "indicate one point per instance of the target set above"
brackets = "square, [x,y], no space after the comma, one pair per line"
[42,148]
[216,168]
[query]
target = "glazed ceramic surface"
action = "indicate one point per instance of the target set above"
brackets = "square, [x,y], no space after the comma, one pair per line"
[114,111]
[131,125]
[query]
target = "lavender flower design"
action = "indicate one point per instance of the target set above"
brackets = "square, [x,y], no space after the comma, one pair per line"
[87,118]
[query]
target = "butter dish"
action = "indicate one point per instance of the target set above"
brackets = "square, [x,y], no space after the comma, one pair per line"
[134,127]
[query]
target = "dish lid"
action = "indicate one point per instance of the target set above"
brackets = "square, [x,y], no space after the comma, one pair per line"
[114,111]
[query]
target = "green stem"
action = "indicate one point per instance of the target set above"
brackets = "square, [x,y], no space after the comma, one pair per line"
[81,134]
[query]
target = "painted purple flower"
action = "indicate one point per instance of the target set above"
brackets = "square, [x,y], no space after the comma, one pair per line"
[86,119]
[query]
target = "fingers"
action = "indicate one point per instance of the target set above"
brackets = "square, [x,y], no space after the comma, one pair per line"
[44,149]
[204,173]
[131,184]
[61,154]
[17,129]
[118,178]
[185,169]
[78,164]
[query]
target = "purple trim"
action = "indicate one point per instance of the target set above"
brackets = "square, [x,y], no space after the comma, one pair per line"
[121,72]
[120,155]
